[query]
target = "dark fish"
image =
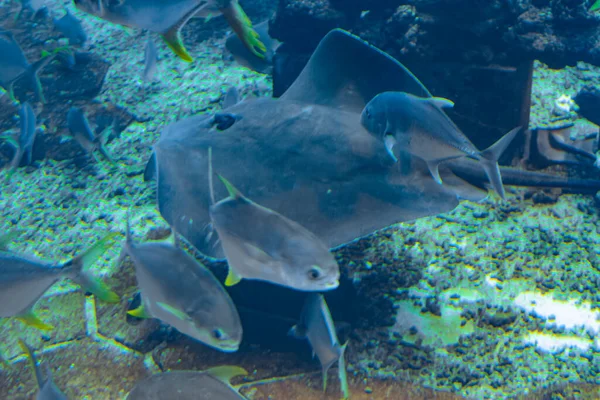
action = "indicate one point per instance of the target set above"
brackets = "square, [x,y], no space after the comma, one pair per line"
[14,66]
[167,17]
[248,59]
[150,59]
[48,390]
[24,279]
[418,126]
[24,143]
[181,292]
[212,384]
[306,156]
[317,326]
[264,245]
[82,133]
[71,28]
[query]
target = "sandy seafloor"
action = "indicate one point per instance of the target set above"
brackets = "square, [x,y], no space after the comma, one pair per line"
[525,275]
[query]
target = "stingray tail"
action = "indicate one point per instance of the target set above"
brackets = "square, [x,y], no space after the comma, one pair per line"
[489,160]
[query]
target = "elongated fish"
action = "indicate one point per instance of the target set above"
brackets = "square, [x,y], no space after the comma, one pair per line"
[23,144]
[48,390]
[167,17]
[24,279]
[418,126]
[212,384]
[264,245]
[317,326]
[14,66]
[181,292]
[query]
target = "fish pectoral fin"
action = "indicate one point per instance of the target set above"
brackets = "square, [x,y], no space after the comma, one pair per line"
[434,170]
[140,312]
[174,311]
[390,141]
[441,102]
[29,318]
[232,278]
[225,373]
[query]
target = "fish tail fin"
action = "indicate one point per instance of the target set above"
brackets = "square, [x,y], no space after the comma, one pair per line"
[241,24]
[82,273]
[342,373]
[32,362]
[32,73]
[489,160]
[173,36]
[595,6]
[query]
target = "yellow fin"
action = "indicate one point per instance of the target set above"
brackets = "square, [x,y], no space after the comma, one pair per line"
[173,40]
[242,26]
[139,312]
[174,311]
[232,190]
[232,278]
[29,318]
[595,6]
[225,373]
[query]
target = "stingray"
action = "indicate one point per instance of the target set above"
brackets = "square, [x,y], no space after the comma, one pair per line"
[306,156]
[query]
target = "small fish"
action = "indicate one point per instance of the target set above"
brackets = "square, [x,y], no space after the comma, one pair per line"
[243,56]
[317,326]
[167,17]
[150,59]
[82,133]
[71,28]
[418,126]
[181,292]
[264,245]
[48,390]
[364,13]
[24,279]
[212,384]
[14,66]
[231,98]
[24,143]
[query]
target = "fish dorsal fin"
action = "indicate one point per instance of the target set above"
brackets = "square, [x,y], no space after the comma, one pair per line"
[232,190]
[29,318]
[225,373]
[440,102]
[346,72]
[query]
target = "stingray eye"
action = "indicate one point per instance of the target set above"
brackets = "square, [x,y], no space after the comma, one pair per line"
[218,334]
[315,272]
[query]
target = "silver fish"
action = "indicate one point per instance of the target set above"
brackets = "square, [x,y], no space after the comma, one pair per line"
[24,279]
[48,390]
[14,66]
[150,59]
[167,17]
[181,292]
[317,326]
[418,126]
[80,130]
[212,384]
[264,245]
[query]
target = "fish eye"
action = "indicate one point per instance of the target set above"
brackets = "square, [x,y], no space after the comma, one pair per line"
[218,334]
[314,272]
